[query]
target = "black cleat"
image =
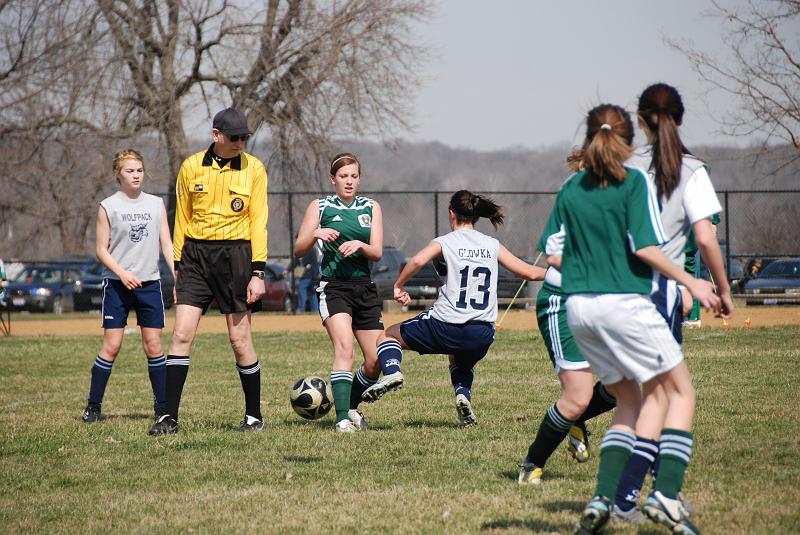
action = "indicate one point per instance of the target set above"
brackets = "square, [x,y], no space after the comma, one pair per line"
[250,423]
[165,425]
[91,414]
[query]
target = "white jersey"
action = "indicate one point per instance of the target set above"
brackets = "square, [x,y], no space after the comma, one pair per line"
[135,226]
[692,200]
[469,292]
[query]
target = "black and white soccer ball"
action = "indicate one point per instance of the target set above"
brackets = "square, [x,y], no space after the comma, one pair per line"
[311,397]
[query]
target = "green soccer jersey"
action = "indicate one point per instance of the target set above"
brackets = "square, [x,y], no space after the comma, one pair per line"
[603,228]
[354,222]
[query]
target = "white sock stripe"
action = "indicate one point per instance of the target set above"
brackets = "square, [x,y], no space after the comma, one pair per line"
[618,438]
[248,371]
[561,422]
[665,439]
[178,362]
[687,450]
[646,446]
[616,442]
[676,453]
[385,347]
[342,376]
[363,379]
[155,363]
[103,364]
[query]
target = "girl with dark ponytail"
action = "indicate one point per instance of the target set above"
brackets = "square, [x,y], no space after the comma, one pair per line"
[687,203]
[461,322]
[606,247]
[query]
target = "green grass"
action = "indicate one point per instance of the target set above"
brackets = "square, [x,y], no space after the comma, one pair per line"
[414,471]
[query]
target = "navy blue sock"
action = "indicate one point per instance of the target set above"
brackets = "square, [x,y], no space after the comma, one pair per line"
[360,383]
[602,401]
[645,452]
[390,354]
[461,377]
[101,371]
[251,385]
[157,370]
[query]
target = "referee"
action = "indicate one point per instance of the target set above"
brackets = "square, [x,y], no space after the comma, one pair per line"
[220,251]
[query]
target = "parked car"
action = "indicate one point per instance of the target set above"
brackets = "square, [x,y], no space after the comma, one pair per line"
[384,272]
[278,295]
[45,288]
[778,283]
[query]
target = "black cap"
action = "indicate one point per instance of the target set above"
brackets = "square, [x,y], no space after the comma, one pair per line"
[231,122]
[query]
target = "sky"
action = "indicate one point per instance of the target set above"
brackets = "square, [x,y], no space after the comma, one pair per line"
[523,73]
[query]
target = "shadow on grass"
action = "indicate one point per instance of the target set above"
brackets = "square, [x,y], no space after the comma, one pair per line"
[441,424]
[305,459]
[129,416]
[508,474]
[565,505]
[537,526]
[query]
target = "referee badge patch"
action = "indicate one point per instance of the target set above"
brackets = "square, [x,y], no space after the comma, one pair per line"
[237,204]
[364,220]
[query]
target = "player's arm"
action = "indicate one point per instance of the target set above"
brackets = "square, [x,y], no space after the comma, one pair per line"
[374,249]
[425,255]
[310,231]
[183,212]
[102,234]
[519,267]
[706,240]
[165,240]
[259,216]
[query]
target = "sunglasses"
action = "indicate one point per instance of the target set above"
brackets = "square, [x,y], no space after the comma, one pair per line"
[242,137]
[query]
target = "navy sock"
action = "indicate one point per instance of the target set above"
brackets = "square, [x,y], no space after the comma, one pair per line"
[177,369]
[361,383]
[251,385]
[461,377]
[601,402]
[101,371]
[645,452]
[157,370]
[390,354]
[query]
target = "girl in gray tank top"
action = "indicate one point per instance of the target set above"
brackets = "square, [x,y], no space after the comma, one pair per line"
[131,230]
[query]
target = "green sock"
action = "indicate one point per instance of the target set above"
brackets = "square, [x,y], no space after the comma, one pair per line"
[694,315]
[674,452]
[552,430]
[341,384]
[614,454]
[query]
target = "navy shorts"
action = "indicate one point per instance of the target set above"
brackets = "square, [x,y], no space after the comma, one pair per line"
[468,342]
[669,303]
[118,301]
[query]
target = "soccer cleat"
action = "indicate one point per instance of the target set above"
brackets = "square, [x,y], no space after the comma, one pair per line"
[393,381]
[357,418]
[345,426]
[529,473]
[594,517]
[464,409]
[91,414]
[250,423]
[669,512]
[634,516]
[578,445]
[692,324]
[165,425]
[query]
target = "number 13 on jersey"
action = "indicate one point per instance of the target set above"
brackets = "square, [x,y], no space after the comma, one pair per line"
[481,300]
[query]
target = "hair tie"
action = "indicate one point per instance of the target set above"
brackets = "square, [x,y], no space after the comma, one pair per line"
[605,126]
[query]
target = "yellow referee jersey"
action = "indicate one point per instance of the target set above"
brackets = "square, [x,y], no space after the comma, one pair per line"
[228,203]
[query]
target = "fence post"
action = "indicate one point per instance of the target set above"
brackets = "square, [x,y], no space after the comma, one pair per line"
[435,214]
[727,239]
[292,260]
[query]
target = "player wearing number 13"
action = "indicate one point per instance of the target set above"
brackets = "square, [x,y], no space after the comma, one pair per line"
[461,322]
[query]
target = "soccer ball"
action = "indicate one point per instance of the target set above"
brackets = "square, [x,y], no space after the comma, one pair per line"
[311,397]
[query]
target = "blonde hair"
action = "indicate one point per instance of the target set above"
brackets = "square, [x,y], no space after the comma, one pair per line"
[121,156]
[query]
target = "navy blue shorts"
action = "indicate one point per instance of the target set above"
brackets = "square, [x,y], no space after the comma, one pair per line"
[118,301]
[468,342]
[669,303]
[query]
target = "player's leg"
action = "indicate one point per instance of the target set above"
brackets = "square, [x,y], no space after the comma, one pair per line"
[248,366]
[150,317]
[340,331]
[389,352]
[366,375]
[115,308]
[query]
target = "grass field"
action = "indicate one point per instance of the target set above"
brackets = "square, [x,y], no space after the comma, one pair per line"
[414,471]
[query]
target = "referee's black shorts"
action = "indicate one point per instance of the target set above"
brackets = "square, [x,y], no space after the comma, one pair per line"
[356,297]
[215,269]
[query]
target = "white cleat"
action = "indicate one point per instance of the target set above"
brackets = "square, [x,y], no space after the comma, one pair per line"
[464,409]
[393,381]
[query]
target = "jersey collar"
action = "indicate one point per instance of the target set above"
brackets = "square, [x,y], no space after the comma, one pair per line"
[208,159]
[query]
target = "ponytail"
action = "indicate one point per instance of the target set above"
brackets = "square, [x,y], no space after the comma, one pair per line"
[661,109]
[469,207]
[609,135]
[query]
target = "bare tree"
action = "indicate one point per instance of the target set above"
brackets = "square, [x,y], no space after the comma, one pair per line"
[304,71]
[763,70]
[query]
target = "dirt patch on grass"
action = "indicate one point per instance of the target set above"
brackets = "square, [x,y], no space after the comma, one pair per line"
[515,320]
